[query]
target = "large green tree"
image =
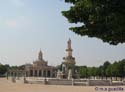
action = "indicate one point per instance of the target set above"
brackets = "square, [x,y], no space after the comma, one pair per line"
[103,19]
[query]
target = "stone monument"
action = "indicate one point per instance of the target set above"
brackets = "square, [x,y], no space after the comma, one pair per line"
[68,66]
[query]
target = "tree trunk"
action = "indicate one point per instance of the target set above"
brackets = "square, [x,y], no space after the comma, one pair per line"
[111,78]
[106,77]
[116,78]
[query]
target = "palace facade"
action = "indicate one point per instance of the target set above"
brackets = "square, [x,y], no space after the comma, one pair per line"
[39,68]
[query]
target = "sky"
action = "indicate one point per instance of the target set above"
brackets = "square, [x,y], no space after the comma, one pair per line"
[26,26]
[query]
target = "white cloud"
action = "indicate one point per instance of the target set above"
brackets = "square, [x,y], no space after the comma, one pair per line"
[18,22]
[18,2]
[11,23]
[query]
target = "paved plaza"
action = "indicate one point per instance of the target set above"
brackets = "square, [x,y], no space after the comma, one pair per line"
[8,86]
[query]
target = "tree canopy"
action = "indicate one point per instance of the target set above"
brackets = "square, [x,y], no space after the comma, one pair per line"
[103,19]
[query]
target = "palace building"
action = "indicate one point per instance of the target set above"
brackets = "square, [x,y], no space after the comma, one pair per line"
[39,68]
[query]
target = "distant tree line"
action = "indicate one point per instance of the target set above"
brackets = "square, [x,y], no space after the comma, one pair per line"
[107,70]
[6,67]
[3,69]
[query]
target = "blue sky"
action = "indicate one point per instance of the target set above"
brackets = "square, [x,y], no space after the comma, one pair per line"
[28,25]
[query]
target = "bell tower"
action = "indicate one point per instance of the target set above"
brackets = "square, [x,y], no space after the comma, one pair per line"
[40,56]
